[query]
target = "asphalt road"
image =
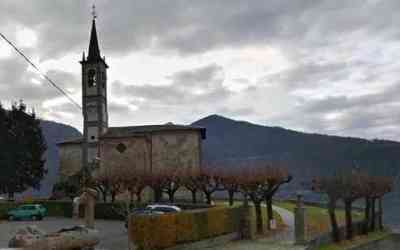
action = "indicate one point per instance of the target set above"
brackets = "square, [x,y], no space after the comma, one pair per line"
[113,235]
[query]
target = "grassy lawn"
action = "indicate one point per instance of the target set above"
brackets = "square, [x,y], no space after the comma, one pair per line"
[318,219]
[280,224]
[357,241]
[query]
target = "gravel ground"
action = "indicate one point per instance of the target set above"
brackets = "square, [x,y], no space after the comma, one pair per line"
[113,235]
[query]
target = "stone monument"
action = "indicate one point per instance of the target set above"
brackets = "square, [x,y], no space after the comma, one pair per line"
[300,221]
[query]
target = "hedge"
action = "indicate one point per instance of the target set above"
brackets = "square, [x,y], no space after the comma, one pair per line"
[167,230]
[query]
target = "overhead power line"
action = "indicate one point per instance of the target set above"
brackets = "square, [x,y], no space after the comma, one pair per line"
[52,83]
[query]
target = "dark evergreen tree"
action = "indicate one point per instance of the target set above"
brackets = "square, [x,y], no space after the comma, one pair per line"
[4,139]
[66,188]
[23,148]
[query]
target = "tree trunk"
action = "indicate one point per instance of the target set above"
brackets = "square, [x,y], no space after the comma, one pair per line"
[349,219]
[367,210]
[104,195]
[373,215]
[113,195]
[231,194]
[194,196]
[259,221]
[208,197]
[171,196]
[380,214]
[334,224]
[246,201]
[139,196]
[270,212]
[157,195]
[131,197]
[11,196]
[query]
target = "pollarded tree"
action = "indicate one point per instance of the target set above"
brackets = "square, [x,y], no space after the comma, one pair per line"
[331,187]
[275,177]
[230,182]
[156,181]
[251,181]
[137,184]
[172,181]
[379,187]
[190,183]
[351,185]
[208,181]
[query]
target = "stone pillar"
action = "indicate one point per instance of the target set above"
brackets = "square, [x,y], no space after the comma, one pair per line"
[88,198]
[247,229]
[75,206]
[300,222]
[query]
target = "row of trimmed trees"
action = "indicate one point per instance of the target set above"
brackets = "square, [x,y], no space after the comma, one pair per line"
[258,184]
[349,188]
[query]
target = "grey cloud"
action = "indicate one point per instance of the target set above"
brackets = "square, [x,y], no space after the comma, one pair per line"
[235,112]
[16,82]
[198,26]
[371,116]
[309,75]
[327,43]
[182,89]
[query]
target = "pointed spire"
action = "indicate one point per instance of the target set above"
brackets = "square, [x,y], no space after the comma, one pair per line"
[94,51]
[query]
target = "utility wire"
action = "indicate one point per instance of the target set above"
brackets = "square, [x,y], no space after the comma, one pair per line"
[52,83]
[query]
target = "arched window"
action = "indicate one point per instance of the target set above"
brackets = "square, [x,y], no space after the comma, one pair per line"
[92,79]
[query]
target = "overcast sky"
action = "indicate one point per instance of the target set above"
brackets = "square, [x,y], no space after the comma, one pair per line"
[327,67]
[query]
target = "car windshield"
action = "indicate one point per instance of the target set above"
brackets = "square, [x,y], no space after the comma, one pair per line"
[27,207]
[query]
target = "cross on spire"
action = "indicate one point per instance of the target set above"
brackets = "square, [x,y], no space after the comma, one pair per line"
[94,14]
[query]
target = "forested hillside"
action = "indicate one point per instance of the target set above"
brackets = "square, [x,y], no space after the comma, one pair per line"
[233,142]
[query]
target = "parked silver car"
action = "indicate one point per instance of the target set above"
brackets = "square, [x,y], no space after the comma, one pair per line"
[154,209]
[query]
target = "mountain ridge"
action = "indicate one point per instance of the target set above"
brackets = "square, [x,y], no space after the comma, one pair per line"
[305,154]
[233,142]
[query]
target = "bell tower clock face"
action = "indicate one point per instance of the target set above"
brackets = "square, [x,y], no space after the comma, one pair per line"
[92,79]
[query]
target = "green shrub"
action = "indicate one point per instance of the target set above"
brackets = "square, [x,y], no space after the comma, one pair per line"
[157,232]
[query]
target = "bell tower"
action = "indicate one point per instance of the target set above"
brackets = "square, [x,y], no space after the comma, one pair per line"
[94,97]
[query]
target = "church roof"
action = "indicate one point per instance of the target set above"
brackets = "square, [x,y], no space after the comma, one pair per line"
[94,51]
[77,140]
[118,132]
[94,54]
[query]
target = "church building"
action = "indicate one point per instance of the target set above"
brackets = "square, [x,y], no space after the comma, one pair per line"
[150,147]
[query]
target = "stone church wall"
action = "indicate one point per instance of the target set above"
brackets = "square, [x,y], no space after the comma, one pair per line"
[176,150]
[153,152]
[130,152]
[70,159]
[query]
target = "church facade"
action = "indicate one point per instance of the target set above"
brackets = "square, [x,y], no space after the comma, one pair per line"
[150,148]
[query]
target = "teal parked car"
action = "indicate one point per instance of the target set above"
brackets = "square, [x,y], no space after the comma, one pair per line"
[31,211]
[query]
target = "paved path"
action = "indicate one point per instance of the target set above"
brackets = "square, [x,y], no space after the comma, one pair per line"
[280,241]
[259,244]
[113,234]
[288,218]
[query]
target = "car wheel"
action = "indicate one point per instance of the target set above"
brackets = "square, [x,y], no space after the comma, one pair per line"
[35,217]
[11,217]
